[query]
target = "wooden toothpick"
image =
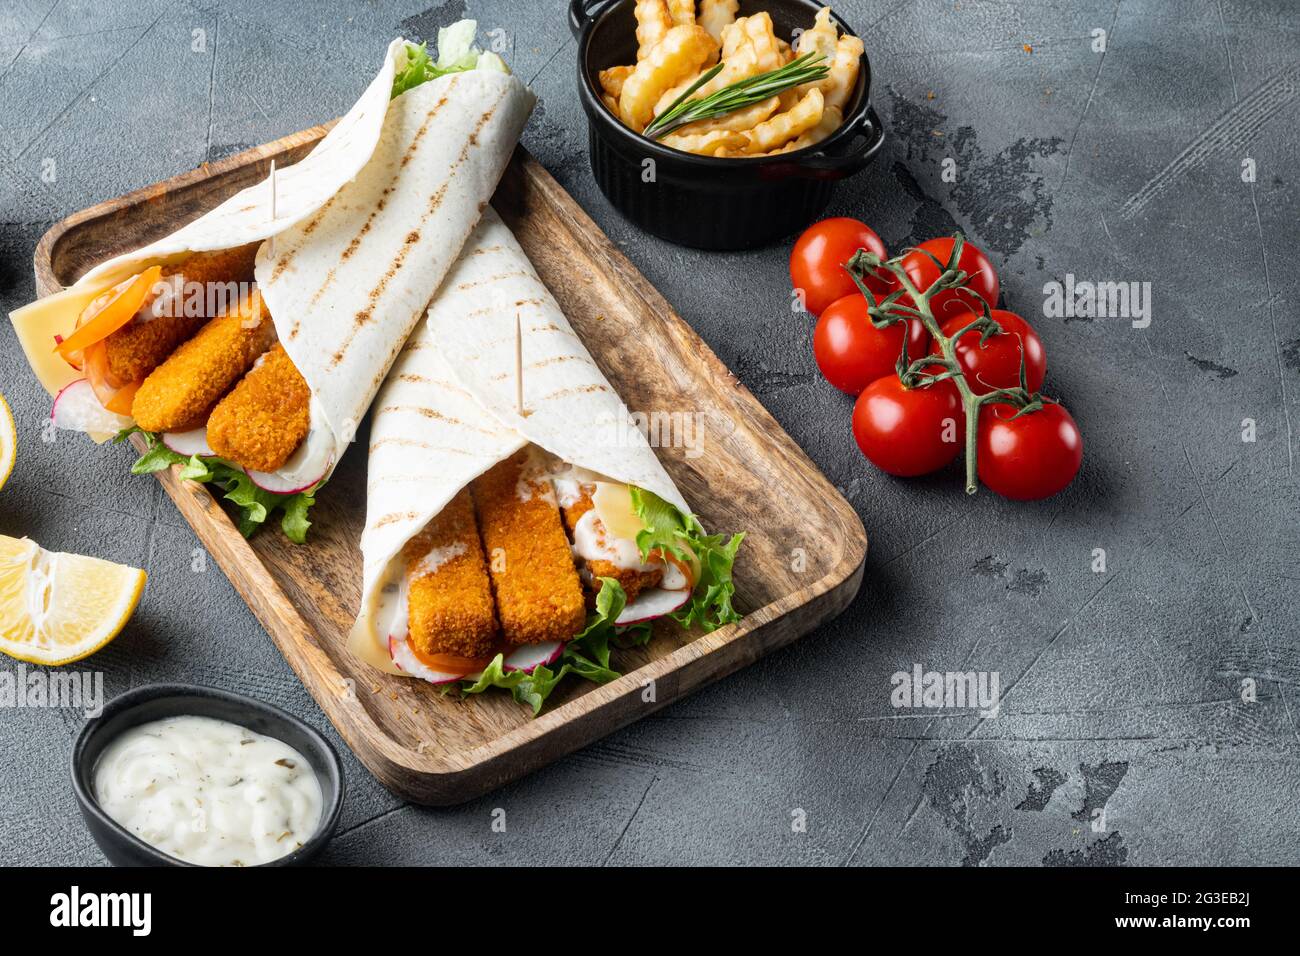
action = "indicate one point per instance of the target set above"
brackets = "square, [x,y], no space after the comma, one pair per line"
[519,366]
[271,246]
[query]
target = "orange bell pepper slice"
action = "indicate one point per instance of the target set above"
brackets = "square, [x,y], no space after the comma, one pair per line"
[114,397]
[122,398]
[123,303]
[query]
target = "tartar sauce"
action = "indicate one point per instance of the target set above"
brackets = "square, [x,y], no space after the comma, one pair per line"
[209,792]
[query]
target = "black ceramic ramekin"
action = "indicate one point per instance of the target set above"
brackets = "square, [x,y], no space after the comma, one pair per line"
[159,701]
[705,201]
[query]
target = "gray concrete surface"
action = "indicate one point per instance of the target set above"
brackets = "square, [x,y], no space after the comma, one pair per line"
[1123,736]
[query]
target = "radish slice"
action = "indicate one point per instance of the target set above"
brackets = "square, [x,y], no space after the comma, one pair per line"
[405,659]
[651,604]
[529,657]
[305,467]
[77,409]
[189,443]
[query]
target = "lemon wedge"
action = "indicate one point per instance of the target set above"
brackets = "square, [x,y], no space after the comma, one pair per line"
[8,442]
[57,608]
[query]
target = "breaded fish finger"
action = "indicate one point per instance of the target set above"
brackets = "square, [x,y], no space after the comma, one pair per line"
[450,596]
[180,392]
[537,591]
[265,417]
[162,324]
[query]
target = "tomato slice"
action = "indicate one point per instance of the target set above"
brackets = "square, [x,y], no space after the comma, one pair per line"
[450,663]
[112,310]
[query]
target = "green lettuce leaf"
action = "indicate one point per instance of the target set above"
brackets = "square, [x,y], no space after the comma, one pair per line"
[587,655]
[255,505]
[456,54]
[681,535]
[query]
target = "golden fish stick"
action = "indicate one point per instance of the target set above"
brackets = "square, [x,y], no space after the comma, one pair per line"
[143,344]
[633,580]
[265,417]
[538,594]
[450,607]
[717,15]
[180,393]
[681,53]
[653,21]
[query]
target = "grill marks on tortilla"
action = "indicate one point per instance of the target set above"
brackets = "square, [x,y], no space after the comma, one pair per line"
[576,390]
[307,230]
[396,516]
[435,201]
[434,414]
[412,443]
[545,363]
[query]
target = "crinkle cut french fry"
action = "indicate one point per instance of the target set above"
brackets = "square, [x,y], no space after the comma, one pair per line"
[788,125]
[744,61]
[829,123]
[762,37]
[652,21]
[718,14]
[682,12]
[738,121]
[681,53]
[820,37]
[733,37]
[612,80]
[839,83]
[706,144]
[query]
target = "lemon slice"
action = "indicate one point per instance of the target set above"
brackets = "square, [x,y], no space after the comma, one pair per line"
[8,442]
[57,608]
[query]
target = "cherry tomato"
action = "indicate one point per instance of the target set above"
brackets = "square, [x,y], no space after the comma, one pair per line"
[981,281]
[997,364]
[908,431]
[1030,457]
[852,353]
[818,257]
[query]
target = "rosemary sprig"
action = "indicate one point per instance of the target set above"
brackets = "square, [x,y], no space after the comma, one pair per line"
[738,95]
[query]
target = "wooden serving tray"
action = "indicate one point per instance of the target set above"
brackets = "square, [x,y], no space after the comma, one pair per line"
[801,564]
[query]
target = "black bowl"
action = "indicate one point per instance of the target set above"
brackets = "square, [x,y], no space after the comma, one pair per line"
[705,201]
[159,701]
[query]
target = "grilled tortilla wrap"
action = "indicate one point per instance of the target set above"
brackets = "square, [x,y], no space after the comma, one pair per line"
[366,226]
[447,413]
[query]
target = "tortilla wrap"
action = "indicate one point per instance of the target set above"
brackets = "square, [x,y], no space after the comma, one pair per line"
[447,411]
[367,225]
